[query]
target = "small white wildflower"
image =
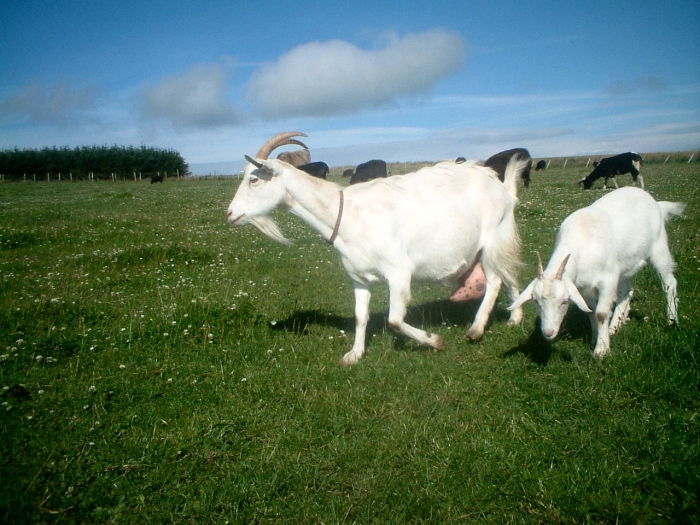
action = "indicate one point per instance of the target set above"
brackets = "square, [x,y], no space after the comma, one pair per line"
[92,388]
[122,367]
[244,379]
[39,358]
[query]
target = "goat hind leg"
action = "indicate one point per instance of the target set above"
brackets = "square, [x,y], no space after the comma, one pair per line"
[493,286]
[663,262]
[399,297]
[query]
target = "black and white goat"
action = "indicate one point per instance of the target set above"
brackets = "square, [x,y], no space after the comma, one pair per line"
[598,249]
[431,225]
[607,168]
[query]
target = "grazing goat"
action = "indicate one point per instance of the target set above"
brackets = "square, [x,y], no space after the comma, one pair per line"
[431,225]
[315,169]
[629,162]
[499,161]
[348,172]
[541,165]
[156,178]
[372,169]
[597,250]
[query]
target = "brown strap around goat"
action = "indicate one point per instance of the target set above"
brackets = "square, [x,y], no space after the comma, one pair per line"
[337,222]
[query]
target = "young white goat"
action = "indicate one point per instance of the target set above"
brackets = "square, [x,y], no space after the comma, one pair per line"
[431,225]
[597,250]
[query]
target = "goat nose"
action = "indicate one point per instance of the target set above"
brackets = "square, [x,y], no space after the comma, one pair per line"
[228,214]
[548,332]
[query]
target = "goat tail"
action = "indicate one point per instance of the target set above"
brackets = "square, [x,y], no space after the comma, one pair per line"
[670,209]
[501,252]
[515,167]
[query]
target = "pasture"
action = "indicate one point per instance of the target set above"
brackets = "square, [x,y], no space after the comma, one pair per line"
[177,370]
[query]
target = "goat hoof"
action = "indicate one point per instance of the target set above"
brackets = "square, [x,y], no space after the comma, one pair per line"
[348,359]
[439,343]
[600,353]
[475,333]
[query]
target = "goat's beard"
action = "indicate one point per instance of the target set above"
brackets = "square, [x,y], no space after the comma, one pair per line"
[269,227]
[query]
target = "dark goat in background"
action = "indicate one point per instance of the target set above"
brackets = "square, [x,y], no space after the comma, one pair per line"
[372,169]
[607,168]
[156,178]
[315,169]
[499,161]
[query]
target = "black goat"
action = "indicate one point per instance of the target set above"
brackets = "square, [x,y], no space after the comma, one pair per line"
[315,169]
[541,165]
[156,178]
[499,161]
[607,168]
[372,169]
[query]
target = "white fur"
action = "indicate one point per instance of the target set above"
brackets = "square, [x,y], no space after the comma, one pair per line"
[608,242]
[430,225]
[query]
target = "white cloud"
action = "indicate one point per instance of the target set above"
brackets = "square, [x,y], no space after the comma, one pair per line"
[335,77]
[58,104]
[195,99]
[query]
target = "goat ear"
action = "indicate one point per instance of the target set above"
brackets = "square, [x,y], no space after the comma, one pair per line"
[576,296]
[253,162]
[525,296]
[265,170]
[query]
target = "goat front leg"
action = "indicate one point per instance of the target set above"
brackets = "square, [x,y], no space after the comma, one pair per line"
[603,311]
[362,297]
[621,313]
[399,297]
[493,286]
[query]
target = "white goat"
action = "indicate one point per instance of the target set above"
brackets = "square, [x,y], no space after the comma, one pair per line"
[432,225]
[597,250]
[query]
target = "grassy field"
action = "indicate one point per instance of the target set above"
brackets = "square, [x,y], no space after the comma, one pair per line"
[177,370]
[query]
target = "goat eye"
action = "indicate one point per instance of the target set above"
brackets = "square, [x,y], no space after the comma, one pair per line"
[254,180]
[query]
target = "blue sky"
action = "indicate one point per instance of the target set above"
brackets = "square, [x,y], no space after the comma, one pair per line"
[401,81]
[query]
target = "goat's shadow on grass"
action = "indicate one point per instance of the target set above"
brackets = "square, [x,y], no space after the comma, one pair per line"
[537,349]
[430,316]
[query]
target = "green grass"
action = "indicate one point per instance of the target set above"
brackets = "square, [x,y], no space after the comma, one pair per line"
[182,371]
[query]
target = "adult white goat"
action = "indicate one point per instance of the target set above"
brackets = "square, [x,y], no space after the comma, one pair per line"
[598,249]
[434,225]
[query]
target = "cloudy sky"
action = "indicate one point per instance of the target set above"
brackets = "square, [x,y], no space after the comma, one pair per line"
[401,81]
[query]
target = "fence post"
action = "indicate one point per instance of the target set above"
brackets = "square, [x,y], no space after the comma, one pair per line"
[669,156]
[564,166]
[691,157]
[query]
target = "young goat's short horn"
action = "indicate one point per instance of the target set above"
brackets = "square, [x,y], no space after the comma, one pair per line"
[560,272]
[540,271]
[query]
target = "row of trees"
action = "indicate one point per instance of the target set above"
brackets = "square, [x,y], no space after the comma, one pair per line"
[100,161]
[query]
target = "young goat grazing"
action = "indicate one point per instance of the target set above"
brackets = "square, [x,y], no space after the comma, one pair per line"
[431,225]
[598,249]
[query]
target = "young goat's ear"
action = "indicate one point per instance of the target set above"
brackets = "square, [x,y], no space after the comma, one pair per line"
[576,296]
[525,296]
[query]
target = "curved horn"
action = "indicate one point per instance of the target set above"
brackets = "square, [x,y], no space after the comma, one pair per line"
[560,272]
[295,141]
[540,271]
[277,141]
